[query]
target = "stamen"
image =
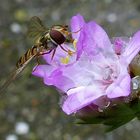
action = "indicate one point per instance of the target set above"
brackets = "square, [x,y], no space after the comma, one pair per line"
[65,60]
[70,53]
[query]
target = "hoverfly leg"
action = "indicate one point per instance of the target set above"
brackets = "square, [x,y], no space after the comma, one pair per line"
[37,58]
[43,53]
[63,48]
[68,51]
[38,62]
[53,54]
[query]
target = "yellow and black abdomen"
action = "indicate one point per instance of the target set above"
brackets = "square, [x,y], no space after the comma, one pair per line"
[28,55]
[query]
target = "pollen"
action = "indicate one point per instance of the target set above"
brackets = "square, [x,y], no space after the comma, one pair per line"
[65,60]
[74,43]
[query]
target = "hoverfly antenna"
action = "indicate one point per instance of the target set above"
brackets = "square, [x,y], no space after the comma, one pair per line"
[75,31]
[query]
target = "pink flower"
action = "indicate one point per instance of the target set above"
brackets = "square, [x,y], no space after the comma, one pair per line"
[95,71]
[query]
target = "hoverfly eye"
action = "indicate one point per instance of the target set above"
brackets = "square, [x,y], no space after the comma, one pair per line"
[57,36]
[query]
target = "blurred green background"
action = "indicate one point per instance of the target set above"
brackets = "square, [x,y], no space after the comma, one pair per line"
[28,109]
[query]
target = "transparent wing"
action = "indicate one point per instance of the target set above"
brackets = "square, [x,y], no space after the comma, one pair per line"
[13,75]
[35,28]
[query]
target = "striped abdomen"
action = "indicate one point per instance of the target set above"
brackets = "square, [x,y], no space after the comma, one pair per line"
[28,55]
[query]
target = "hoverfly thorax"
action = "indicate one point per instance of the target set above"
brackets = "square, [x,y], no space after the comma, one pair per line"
[44,38]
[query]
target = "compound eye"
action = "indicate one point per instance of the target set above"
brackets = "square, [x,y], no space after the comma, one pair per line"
[57,36]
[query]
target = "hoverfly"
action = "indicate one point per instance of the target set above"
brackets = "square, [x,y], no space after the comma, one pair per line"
[47,40]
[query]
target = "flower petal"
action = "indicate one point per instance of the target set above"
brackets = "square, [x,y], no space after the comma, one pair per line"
[58,80]
[81,97]
[77,23]
[53,77]
[42,70]
[119,88]
[133,48]
[93,39]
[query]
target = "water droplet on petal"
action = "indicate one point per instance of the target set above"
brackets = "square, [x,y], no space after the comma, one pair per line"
[136,83]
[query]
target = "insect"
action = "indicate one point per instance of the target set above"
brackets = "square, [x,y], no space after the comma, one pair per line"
[47,40]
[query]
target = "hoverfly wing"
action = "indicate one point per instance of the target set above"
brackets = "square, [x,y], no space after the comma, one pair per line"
[35,28]
[13,75]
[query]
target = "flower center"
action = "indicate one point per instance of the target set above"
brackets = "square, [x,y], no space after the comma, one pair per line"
[109,74]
